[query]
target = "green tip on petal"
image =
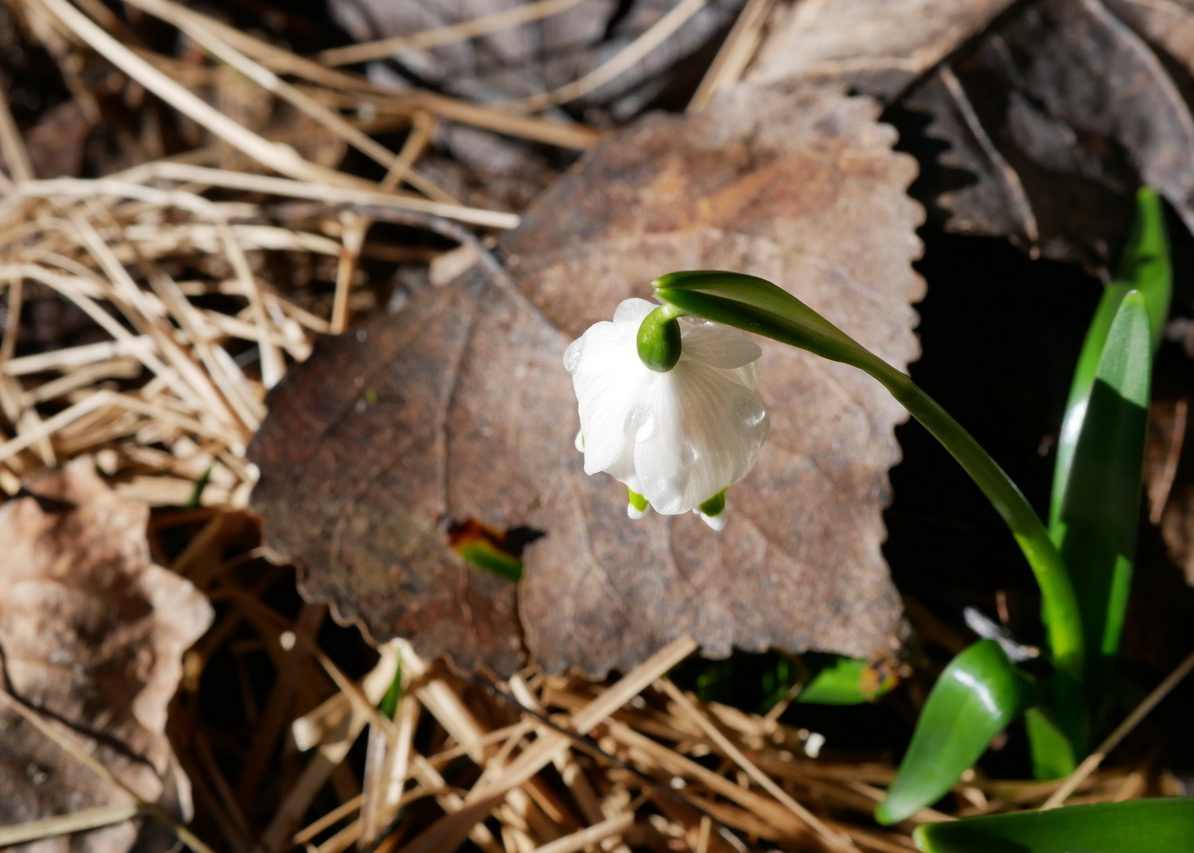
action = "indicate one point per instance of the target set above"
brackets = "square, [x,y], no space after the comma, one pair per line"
[659,339]
[637,505]
[713,511]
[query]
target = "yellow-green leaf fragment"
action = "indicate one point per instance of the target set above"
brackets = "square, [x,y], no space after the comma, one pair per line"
[485,548]
[837,680]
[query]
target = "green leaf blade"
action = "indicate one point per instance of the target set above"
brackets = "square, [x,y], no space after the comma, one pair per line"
[976,697]
[1156,826]
[1098,519]
[1144,267]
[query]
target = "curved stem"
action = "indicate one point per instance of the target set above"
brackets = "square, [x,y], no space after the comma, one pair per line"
[1059,601]
[756,305]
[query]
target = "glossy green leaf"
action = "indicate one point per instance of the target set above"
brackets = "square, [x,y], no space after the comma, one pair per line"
[837,680]
[1145,267]
[1138,826]
[976,697]
[1093,510]
[1099,516]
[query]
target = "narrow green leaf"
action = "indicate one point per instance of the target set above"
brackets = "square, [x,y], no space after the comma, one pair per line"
[388,707]
[1145,264]
[1053,753]
[1099,516]
[486,548]
[196,499]
[1155,826]
[485,556]
[1145,267]
[975,698]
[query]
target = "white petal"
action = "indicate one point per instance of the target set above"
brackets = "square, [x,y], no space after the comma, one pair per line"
[663,458]
[717,522]
[718,427]
[574,353]
[717,346]
[748,375]
[630,314]
[605,379]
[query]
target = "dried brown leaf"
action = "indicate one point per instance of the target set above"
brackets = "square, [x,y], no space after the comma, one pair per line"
[92,634]
[1051,113]
[518,64]
[877,48]
[458,407]
[1053,118]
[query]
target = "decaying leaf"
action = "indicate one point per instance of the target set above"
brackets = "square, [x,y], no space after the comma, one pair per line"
[1060,113]
[459,408]
[1052,113]
[91,636]
[877,48]
[1169,481]
[542,54]
[537,65]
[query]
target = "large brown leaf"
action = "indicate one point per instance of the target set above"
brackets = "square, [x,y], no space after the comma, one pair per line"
[459,407]
[92,635]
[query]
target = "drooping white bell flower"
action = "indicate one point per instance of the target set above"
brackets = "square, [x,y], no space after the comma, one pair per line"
[677,439]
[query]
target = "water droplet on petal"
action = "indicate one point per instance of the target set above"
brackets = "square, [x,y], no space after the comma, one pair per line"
[573,353]
[751,415]
[640,424]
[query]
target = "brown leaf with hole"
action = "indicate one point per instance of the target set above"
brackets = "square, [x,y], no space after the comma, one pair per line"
[92,635]
[459,407]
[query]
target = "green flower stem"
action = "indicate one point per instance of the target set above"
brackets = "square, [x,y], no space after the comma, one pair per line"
[756,305]
[1057,592]
[1062,617]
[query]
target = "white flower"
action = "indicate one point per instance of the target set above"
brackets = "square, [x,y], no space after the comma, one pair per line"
[677,439]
